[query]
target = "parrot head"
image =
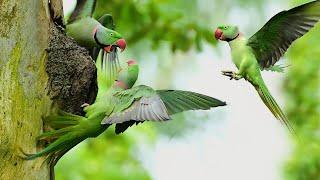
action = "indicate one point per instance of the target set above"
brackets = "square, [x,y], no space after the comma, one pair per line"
[128,76]
[108,39]
[226,33]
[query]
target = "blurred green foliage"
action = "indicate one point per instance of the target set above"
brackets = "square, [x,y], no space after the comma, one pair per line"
[303,106]
[104,158]
[175,22]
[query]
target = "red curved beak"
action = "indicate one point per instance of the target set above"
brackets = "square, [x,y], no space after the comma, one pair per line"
[121,43]
[218,34]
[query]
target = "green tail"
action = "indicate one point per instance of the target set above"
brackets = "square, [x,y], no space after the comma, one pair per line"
[62,120]
[67,141]
[269,101]
[69,130]
[65,136]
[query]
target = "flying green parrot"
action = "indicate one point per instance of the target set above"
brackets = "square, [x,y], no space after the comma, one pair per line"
[122,105]
[264,48]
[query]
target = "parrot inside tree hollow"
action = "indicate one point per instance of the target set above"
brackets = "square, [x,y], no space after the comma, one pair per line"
[98,36]
[264,48]
[88,32]
[121,104]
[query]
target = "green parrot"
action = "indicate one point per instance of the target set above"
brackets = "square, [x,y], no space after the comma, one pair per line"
[98,36]
[264,48]
[88,32]
[122,105]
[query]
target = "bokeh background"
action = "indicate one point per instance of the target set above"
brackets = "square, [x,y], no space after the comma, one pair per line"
[173,42]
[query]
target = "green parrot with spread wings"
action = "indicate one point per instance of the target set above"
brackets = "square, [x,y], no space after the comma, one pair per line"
[264,48]
[122,105]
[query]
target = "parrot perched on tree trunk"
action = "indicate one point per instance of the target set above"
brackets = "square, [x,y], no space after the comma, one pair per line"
[88,32]
[121,104]
[98,36]
[264,48]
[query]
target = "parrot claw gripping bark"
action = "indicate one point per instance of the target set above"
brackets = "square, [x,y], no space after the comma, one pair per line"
[265,48]
[120,104]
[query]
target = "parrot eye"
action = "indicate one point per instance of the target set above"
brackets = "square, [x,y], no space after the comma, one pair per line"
[111,34]
[225,27]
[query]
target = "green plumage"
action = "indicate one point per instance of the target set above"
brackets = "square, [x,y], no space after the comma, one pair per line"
[264,48]
[272,104]
[98,37]
[187,101]
[142,103]
[119,104]
[275,37]
[88,32]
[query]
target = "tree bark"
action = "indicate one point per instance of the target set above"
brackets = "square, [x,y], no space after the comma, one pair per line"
[24,36]
[40,68]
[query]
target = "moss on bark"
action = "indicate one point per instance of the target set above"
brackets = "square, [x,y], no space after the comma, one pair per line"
[23,39]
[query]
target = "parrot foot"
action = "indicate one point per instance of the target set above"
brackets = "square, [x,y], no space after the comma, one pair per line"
[232,75]
[85,105]
[24,155]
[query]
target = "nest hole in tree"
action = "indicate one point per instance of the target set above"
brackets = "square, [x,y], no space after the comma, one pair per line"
[72,73]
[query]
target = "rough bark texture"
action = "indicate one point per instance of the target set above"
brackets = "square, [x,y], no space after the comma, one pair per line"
[23,39]
[72,73]
[31,47]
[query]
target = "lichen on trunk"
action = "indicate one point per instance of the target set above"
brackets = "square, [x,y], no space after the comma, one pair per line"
[24,32]
[40,67]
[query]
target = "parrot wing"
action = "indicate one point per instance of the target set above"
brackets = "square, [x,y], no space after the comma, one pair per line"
[274,38]
[177,101]
[142,103]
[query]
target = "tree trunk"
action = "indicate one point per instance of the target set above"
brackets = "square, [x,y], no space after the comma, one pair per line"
[24,36]
[38,62]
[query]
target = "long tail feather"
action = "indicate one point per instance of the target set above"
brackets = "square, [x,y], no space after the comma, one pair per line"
[60,143]
[269,101]
[54,133]
[61,121]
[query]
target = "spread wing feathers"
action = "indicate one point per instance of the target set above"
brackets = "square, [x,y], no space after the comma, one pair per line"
[84,8]
[276,68]
[275,37]
[142,103]
[146,108]
[178,101]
